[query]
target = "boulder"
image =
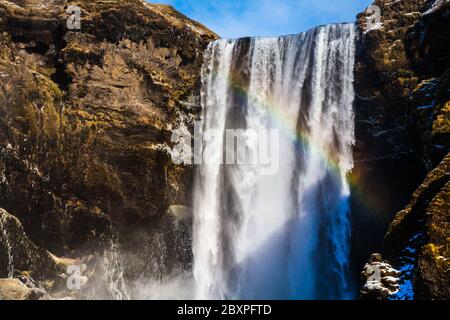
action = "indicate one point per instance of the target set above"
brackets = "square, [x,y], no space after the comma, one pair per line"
[19,254]
[14,289]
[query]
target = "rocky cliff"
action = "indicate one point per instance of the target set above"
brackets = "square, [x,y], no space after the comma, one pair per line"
[86,117]
[402,110]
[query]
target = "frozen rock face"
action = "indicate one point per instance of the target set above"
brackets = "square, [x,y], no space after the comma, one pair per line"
[384,160]
[427,46]
[418,239]
[402,85]
[86,118]
[417,243]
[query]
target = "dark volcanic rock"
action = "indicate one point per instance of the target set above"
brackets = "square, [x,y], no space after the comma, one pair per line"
[401,113]
[384,156]
[19,254]
[427,41]
[428,48]
[86,117]
[422,232]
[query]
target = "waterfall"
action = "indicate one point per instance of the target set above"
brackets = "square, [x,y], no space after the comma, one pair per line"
[283,235]
[113,274]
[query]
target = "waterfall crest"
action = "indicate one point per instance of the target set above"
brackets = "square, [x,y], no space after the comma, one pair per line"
[285,235]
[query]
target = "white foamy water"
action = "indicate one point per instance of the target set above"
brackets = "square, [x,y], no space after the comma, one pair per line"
[282,236]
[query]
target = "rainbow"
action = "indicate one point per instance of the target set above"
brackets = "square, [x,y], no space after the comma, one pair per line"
[301,138]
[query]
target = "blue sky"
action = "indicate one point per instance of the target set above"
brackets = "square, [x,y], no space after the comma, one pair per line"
[238,18]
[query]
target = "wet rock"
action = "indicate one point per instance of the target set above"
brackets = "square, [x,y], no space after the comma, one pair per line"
[14,289]
[19,254]
[180,217]
[86,119]
[168,246]
[426,219]
[417,245]
[39,272]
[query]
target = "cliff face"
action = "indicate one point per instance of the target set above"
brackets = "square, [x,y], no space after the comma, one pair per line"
[402,82]
[418,239]
[86,118]
[384,156]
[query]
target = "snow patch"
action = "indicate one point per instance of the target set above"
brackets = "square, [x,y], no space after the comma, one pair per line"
[392,2]
[436,6]
[376,26]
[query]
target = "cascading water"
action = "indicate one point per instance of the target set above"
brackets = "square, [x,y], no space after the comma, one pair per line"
[285,235]
[113,277]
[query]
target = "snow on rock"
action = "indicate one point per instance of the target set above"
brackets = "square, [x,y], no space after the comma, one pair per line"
[436,6]
[376,26]
[380,278]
